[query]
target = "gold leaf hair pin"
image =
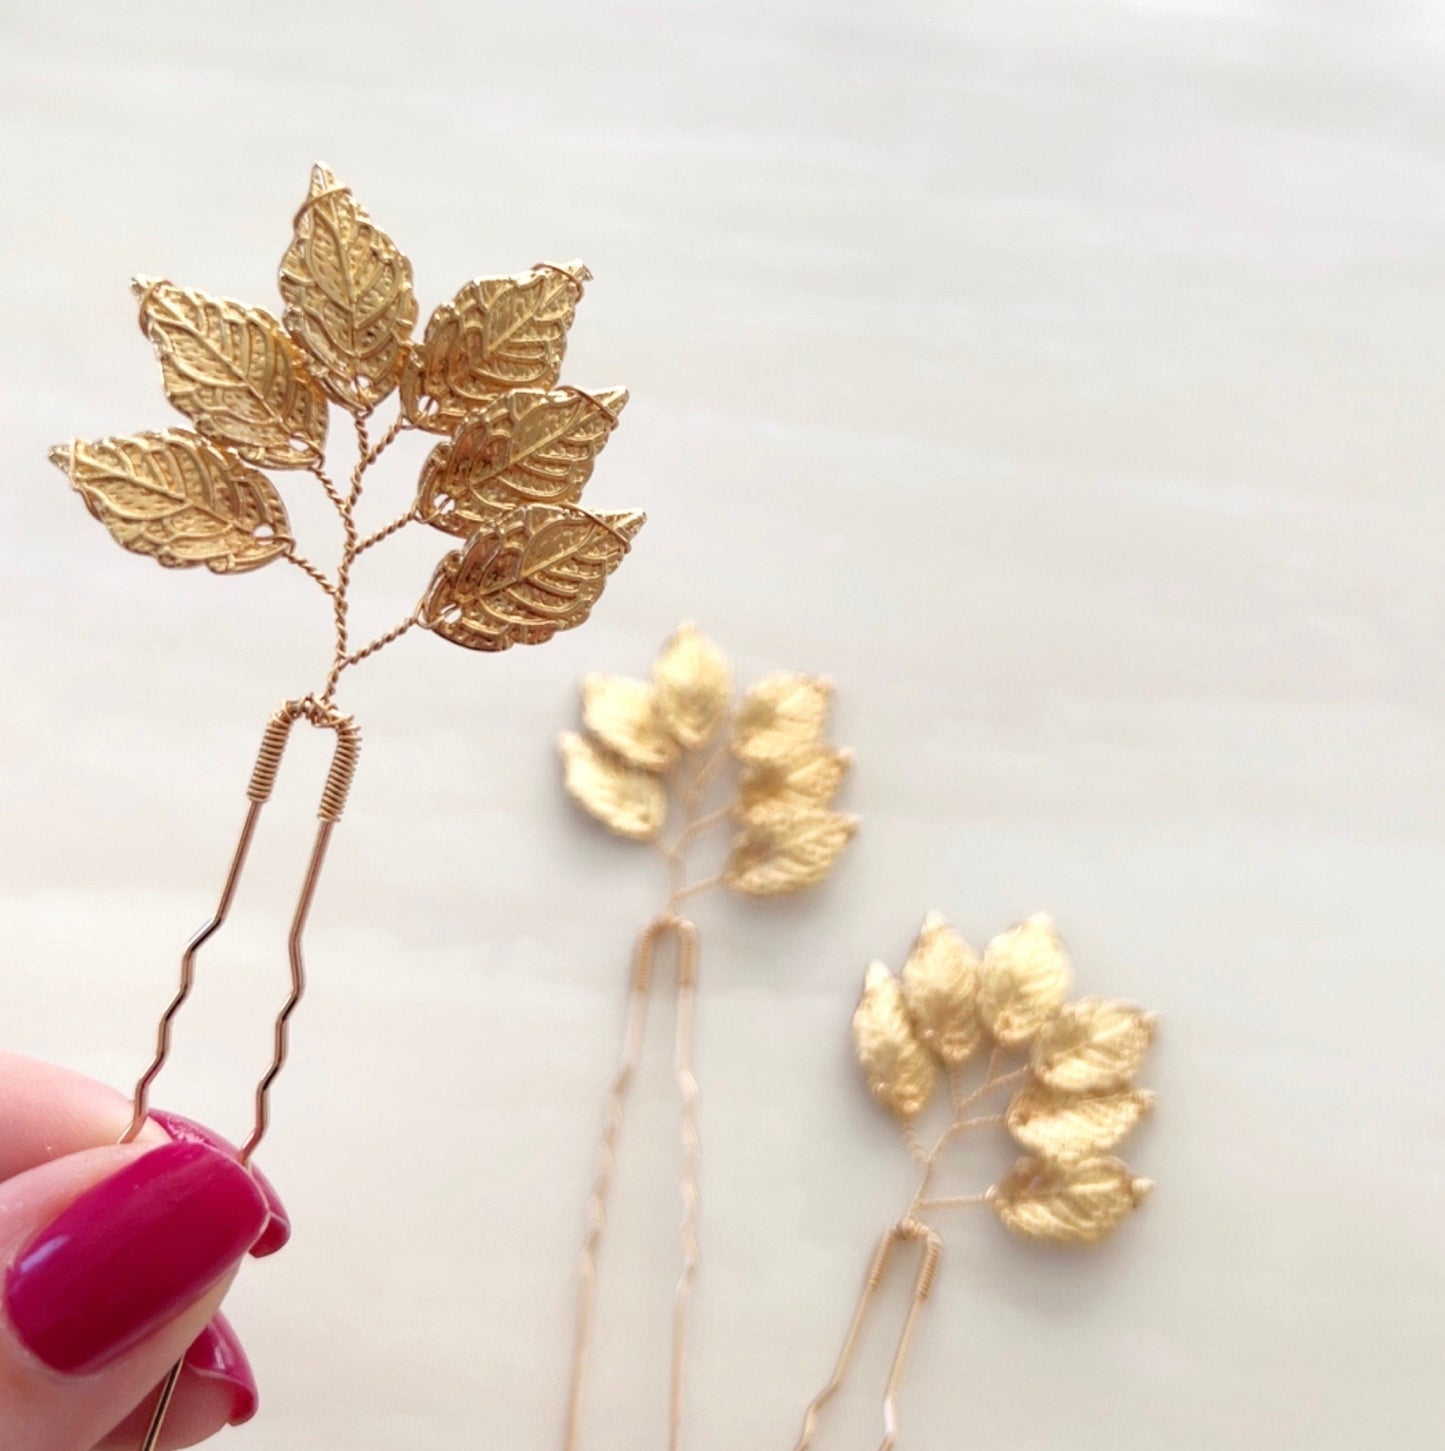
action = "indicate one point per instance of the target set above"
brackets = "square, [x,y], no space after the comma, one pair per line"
[506,478]
[661,747]
[1073,1101]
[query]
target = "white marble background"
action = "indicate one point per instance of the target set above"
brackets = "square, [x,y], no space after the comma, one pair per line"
[1062,376]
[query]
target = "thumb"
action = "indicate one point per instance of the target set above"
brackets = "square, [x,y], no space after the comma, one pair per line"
[114,1260]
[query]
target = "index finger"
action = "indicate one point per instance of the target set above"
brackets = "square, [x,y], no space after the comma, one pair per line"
[47,1112]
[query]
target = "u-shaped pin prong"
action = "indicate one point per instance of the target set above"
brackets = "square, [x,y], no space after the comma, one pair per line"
[643,980]
[263,781]
[906,1230]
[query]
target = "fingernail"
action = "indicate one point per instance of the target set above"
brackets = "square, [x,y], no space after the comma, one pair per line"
[187,1130]
[216,1355]
[130,1253]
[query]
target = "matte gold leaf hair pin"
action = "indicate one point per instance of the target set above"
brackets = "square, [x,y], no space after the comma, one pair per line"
[505,479]
[654,753]
[649,744]
[1069,1066]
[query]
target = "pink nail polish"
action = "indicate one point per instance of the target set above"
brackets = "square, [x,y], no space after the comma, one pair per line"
[130,1253]
[216,1355]
[187,1130]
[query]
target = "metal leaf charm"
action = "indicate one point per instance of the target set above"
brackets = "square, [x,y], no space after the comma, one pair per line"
[496,333]
[1078,1203]
[622,714]
[235,372]
[1024,981]
[539,571]
[626,799]
[900,1073]
[694,685]
[1092,1045]
[780,718]
[940,987]
[787,851]
[179,499]
[807,782]
[529,446]
[1063,1126]
[348,294]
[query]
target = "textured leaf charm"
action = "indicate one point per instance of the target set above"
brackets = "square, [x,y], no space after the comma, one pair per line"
[940,987]
[1024,981]
[622,714]
[787,852]
[1092,1045]
[1062,1126]
[539,571]
[780,718]
[693,685]
[628,800]
[1079,1203]
[900,1073]
[348,294]
[526,447]
[235,372]
[496,333]
[179,499]
[807,782]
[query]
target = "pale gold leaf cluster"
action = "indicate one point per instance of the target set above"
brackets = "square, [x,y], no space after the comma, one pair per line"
[789,836]
[1023,982]
[1062,1126]
[1079,1100]
[787,850]
[901,1074]
[622,714]
[780,717]
[506,480]
[789,774]
[627,798]
[938,999]
[693,685]
[1092,1046]
[940,987]
[1074,1203]
[642,728]
[808,782]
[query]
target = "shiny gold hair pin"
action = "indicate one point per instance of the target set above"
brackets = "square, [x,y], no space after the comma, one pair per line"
[671,746]
[506,478]
[1070,1067]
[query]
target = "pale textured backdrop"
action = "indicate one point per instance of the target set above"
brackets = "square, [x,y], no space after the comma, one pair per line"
[1063,378]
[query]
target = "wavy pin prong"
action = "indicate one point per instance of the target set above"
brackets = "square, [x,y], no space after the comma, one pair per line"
[333,801]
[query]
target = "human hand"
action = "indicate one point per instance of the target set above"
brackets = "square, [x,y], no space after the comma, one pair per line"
[115,1259]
